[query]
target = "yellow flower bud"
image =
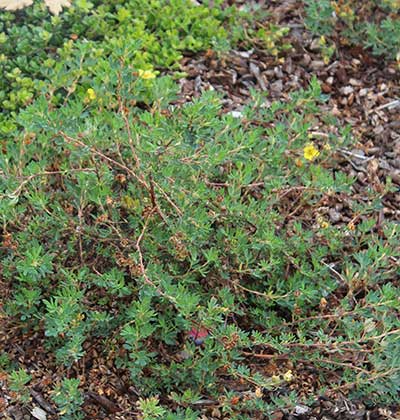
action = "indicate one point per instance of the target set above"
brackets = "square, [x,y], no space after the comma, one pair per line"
[90,94]
[288,376]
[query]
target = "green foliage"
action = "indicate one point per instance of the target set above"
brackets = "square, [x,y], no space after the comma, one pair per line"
[68,399]
[374,24]
[273,39]
[151,409]
[136,221]
[34,44]
[320,18]
[383,38]
[17,381]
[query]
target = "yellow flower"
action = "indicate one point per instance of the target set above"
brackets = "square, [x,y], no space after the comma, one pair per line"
[288,376]
[322,222]
[147,74]
[310,152]
[351,225]
[90,94]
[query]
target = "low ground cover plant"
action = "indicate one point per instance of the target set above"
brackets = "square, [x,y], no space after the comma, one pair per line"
[374,24]
[194,246]
[34,43]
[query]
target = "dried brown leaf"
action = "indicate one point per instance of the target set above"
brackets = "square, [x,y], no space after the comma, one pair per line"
[55,6]
[12,5]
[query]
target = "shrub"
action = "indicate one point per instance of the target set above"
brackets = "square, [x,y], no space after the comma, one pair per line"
[17,383]
[156,226]
[273,39]
[373,24]
[34,44]
[68,399]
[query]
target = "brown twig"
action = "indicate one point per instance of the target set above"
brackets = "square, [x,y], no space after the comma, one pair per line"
[265,295]
[104,402]
[141,260]
[37,396]
[121,109]
[29,178]
[165,195]
[107,158]
[154,201]
[266,356]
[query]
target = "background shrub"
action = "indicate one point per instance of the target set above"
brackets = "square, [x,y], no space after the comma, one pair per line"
[34,44]
[374,24]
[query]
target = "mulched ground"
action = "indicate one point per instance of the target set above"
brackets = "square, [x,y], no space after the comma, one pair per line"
[364,93]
